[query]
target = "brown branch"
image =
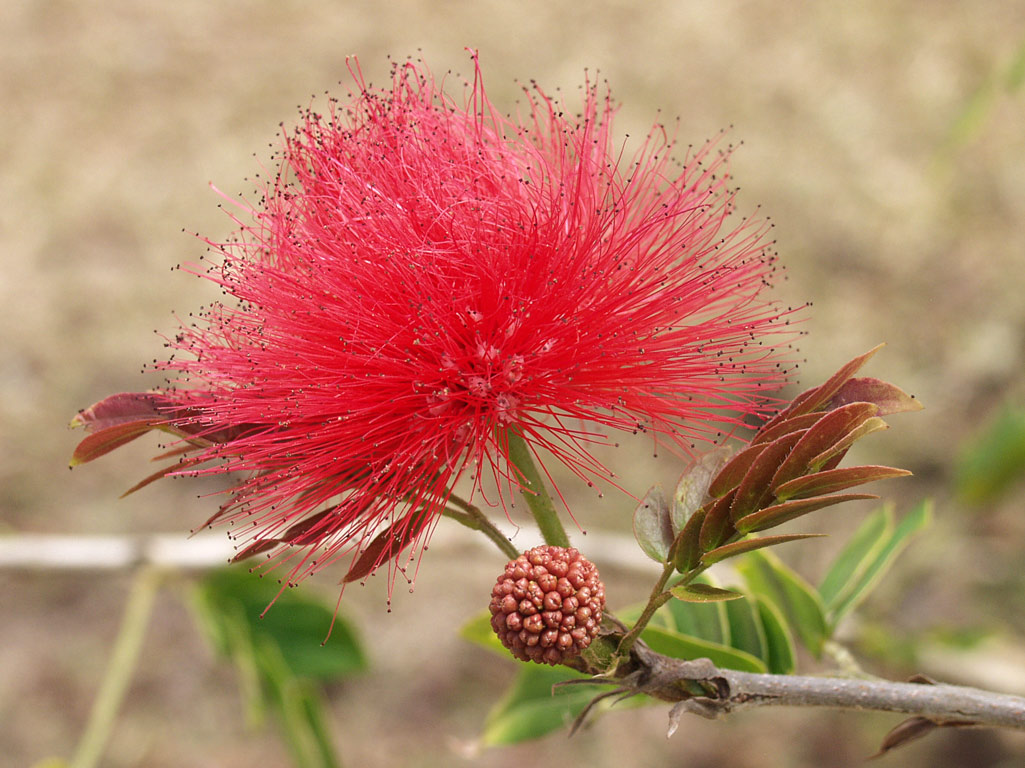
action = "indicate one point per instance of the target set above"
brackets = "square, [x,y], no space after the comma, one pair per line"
[699,687]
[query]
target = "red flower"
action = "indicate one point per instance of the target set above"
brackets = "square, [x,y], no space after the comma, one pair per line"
[420,276]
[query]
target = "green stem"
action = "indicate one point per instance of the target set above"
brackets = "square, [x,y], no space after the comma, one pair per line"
[659,597]
[540,503]
[120,669]
[476,520]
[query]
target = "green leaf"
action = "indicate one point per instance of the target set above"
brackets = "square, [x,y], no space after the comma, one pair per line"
[652,525]
[779,642]
[766,575]
[682,646]
[300,709]
[855,557]
[703,593]
[705,620]
[749,545]
[297,624]
[995,460]
[531,708]
[478,631]
[746,631]
[859,588]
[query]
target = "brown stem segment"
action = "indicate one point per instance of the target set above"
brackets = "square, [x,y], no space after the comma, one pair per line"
[699,687]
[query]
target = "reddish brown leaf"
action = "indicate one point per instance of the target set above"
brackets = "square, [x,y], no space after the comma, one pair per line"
[904,733]
[686,552]
[754,488]
[829,429]
[825,392]
[785,427]
[818,397]
[834,480]
[865,428]
[388,545]
[215,516]
[834,461]
[256,548]
[889,397]
[126,407]
[308,529]
[717,526]
[164,472]
[778,514]
[106,440]
[749,545]
[733,471]
[796,408]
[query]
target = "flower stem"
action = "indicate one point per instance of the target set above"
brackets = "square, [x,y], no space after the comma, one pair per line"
[119,670]
[540,503]
[474,519]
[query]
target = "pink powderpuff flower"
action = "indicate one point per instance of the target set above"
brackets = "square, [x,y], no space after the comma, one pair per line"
[421,276]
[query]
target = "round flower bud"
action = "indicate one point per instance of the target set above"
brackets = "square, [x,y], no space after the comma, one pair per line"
[547,605]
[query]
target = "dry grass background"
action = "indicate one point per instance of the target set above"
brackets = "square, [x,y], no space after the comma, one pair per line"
[878,135]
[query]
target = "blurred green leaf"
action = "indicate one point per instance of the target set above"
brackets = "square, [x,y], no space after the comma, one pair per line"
[980,107]
[855,557]
[704,620]
[766,575]
[297,623]
[280,658]
[301,709]
[995,460]
[531,708]
[781,654]
[746,630]
[682,646]
[479,632]
[879,563]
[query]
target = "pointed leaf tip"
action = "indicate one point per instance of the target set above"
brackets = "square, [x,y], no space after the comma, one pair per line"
[888,397]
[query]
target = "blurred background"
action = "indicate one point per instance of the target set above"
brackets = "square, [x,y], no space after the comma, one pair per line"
[886,140]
